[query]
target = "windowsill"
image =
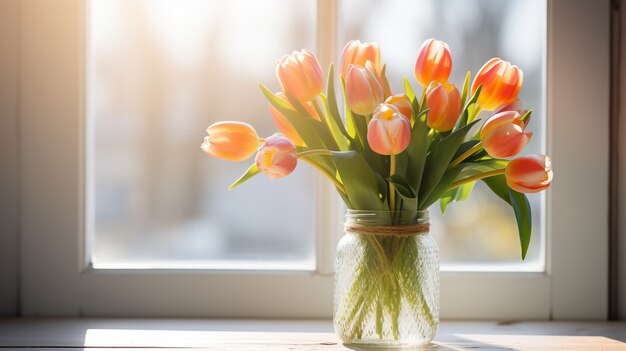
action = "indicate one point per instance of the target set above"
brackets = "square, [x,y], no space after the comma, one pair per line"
[296,335]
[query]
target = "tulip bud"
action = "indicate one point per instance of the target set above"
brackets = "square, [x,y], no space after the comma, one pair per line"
[529,174]
[357,53]
[501,83]
[363,89]
[503,134]
[283,124]
[276,157]
[402,103]
[434,62]
[300,75]
[444,104]
[232,141]
[389,132]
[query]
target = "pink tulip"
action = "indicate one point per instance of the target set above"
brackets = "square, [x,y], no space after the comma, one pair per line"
[300,75]
[232,141]
[433,63]
[389,132]
[503,134]
[444,103]
[363,89]
[529,174]
[402,103]
[277,156]
[357,53]
[283,124]
[501,83]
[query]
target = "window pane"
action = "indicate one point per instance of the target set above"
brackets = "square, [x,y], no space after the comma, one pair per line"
[160,72]
[480,233]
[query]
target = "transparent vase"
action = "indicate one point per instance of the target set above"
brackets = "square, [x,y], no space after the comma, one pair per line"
[387,280]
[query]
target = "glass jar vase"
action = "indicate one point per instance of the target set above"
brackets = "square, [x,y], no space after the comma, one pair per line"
[386,280]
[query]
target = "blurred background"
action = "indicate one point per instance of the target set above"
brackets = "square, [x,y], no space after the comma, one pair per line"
[161,71]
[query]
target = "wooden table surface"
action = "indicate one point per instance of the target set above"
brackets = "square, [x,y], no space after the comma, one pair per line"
[270,335]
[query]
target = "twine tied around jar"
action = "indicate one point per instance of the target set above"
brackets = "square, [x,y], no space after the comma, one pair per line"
[388,230]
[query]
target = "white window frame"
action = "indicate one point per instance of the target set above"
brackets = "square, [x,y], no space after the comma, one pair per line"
[57,281]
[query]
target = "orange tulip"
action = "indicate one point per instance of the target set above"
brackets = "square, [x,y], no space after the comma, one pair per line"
[501,83]
[402,103]
[529,174]
[434,62]
[389,132]
[300,75]
[363,89]
[232,141]
[277,157]
[283,124]
[503,134]
[444,103]
[357,53]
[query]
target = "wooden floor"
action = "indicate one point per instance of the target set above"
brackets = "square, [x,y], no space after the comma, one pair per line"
[244,335]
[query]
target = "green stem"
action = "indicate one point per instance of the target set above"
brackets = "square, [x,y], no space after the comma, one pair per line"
[477,177]
[392,189]
[319,109]
[314,152]
[465,155]
[331,177]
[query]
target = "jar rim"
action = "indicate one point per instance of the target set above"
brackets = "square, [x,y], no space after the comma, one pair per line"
[387,218]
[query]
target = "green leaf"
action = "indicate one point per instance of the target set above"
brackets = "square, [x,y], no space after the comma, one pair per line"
[520,205]
[471,169]
[417,151]
[359,181]
[498,185]
[465,90]
[405,191]
[523,215]
[251,172]
[464,120]
[464,191]
[410,93]
[438,159]
[332,106]
[342,140]
[446,199]
[446,180]
[408,89]
[526,117]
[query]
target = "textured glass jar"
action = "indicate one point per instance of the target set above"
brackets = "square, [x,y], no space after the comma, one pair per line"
[386,282]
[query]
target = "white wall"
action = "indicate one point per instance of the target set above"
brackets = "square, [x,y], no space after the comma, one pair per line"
[8,159]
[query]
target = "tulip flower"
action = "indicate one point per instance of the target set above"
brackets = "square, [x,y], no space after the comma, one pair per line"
[232,141]
[444,104]
[363,89]
[501,83]
[503,134]
[389,131]
[529,174]
[357,53]
[433,63]
[283,124]
[300,75]
[402,103]
[276,157]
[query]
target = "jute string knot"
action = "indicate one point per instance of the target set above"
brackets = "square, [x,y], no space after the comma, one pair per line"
[388,230]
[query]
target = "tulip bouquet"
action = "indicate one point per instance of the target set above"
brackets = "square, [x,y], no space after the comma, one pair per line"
[394,151]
